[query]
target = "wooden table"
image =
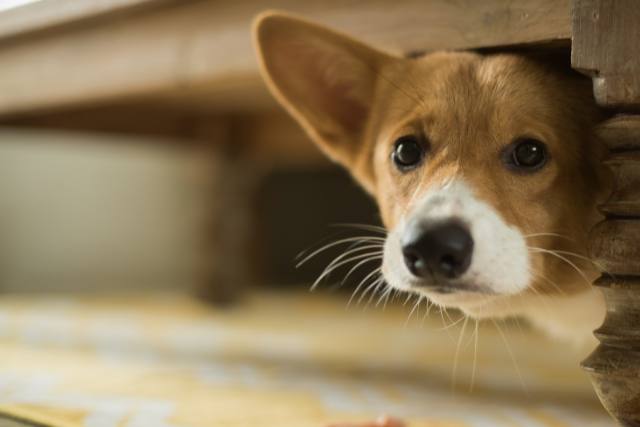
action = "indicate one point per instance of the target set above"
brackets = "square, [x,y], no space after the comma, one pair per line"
[186,68]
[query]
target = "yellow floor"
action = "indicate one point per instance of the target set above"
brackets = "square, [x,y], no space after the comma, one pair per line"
[277,360]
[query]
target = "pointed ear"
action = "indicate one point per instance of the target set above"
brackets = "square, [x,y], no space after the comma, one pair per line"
[324,79]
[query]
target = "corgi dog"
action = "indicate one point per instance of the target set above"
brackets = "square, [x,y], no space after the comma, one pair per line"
[486,168]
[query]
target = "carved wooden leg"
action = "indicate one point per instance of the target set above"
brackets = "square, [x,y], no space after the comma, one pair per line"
[615,245]
[606,46]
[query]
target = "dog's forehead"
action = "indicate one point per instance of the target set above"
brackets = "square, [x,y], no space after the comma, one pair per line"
[461,72]
[467,86]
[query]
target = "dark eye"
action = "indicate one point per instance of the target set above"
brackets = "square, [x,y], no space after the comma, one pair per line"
[408,152]
[527,154]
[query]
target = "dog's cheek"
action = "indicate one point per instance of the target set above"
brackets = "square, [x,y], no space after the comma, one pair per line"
[501,258]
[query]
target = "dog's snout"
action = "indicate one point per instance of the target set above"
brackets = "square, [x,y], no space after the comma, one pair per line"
[442,250]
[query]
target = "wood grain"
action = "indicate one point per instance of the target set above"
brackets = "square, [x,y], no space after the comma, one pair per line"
[200,52]
[606,45]
[624,201]
[614,246]
[621,133]
[615,365]
[605,36]
[622,136]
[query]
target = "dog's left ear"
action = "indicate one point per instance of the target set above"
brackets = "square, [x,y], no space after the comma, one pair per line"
[325,80]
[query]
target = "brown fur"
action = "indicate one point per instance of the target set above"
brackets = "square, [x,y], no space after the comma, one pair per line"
[355,101]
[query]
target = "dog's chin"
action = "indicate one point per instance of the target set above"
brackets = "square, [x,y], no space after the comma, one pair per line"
[475,301]
[475,304]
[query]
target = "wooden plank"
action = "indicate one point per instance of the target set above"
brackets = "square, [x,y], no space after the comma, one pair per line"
[269,139]
[202,49]
[606,45]
[44,15]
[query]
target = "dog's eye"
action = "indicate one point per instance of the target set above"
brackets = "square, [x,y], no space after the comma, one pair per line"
[527,154]
[408,152]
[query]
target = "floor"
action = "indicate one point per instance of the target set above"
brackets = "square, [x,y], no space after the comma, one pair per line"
[276,359]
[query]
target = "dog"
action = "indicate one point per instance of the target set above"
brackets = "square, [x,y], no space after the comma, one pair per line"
[485,167]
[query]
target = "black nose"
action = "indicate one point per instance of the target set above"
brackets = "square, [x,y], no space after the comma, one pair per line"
[443,249]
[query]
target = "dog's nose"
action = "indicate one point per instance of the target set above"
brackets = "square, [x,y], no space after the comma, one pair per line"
[442,250]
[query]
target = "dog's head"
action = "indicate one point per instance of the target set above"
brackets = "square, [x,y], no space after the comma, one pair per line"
[485,168]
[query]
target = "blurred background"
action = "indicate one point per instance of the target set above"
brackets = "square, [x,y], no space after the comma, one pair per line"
[94,211]
[153,201]
[132,178]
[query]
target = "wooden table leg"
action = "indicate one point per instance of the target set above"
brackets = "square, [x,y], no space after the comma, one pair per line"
[614,366]
[606,46]
[228,242]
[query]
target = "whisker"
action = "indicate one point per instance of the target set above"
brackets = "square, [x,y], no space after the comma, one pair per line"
[444,323]
[357,239]
[371,286]
[551,282]
[569,253]
[511,355]
[353,269]
[362,282]
[351,252]
[542,298]
[426,314]
[379,285]
[548,234]
[585,258]
[575,267]
[415,306]
[450,325]
[475,355]
[390,296]
[365,227]
[409,296]
[369,256]
[385,295]
[447,314]
[457,354]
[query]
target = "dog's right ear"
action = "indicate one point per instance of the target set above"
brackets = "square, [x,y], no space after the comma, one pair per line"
[324,79]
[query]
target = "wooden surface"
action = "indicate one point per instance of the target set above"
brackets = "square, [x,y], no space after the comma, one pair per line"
[625,200]
[615,365]
[45,15]
[614,246]
[289,359]
[606,45]
[199,53]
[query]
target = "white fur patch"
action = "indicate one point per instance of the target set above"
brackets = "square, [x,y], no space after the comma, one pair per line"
[500,260]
